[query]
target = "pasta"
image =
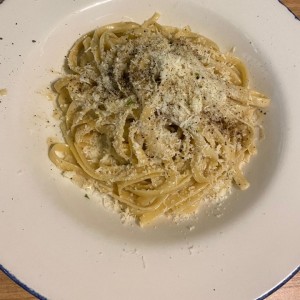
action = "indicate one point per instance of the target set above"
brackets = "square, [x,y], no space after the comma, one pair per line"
[156,117]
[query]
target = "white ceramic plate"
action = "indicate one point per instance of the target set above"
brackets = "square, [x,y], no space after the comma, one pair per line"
[65,246]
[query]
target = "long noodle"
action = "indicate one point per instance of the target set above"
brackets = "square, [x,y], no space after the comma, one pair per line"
[156,116]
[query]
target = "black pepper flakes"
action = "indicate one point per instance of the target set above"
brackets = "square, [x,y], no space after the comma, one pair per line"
[34,41]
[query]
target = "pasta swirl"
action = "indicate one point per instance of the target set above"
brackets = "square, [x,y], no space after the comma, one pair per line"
[155,116]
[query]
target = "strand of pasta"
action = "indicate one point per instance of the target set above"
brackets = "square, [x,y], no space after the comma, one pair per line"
[150,189]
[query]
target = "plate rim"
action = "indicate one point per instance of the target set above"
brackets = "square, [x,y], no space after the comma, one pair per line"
[264,296]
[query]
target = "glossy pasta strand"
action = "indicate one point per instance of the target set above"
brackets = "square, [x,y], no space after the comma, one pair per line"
[156,117]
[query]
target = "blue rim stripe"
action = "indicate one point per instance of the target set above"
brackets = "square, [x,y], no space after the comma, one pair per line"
[40,297]
[21,284]
[278,286]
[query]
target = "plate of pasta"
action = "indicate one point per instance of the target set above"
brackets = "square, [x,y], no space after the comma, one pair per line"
[149,149]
